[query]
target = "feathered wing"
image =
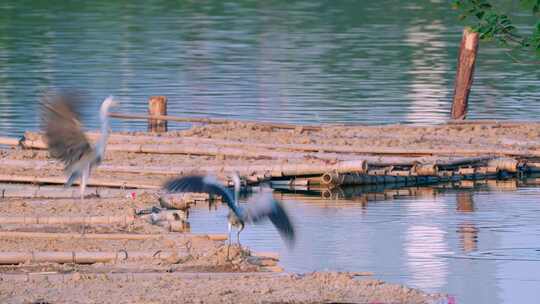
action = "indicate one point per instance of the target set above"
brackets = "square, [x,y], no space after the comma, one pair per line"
[65,139]
[202,184]
[265,206]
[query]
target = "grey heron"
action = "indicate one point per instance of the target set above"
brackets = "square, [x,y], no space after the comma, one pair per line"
[66,139]
[263,206]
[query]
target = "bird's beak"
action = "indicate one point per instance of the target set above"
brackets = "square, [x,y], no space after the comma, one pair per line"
[115,103]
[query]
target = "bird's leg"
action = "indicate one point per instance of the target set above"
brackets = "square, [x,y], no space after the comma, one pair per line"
[229,243]
[238,234]
[83,229]
[84,179]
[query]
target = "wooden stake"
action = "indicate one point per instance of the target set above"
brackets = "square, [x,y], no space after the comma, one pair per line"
[157,105]
[464,73]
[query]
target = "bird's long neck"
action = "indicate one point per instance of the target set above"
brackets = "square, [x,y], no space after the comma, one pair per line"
[104,117]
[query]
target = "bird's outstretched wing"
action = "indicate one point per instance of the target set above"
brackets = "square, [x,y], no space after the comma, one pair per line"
[264,206]
[65,138]
[202,184]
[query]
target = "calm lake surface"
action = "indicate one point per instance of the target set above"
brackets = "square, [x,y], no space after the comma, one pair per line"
[481,246]
[291,61]
[301,62]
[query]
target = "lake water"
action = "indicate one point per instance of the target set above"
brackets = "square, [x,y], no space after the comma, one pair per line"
[479,245]
[301,62]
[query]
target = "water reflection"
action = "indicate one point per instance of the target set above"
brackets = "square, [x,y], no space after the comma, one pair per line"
[429,87]
[467,239]
[468,233]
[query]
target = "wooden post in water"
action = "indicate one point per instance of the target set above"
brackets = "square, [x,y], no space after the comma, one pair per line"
[464,73]
[157,105]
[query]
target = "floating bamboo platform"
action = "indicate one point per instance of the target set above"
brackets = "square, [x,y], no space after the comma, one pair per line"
[256,160]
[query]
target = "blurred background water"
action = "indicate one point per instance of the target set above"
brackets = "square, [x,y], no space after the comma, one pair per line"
[290,61]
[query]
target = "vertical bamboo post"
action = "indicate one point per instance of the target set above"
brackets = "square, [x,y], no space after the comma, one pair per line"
[157,105]
[464,73]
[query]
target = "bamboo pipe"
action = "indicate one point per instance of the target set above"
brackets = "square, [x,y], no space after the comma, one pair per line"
[277,170]
[105,236]
[94,236]
[9,141]
[510,123]
[81,257]
[504,164]
[425,169]
[202,150]
[300,147]
[60,220]
[37,191]
[62,180]
[206,150]
[212,121]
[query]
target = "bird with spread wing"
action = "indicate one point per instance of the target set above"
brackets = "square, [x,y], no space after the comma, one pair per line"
[66,140]
[263,206]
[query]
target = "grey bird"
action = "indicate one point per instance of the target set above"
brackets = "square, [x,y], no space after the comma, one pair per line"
[262,206]
[66,139]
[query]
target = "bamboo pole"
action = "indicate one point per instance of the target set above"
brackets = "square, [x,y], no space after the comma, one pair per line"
[425,169]
[464,73]
[61,180]
[274,170]
[504,164]
[212,121]
[331,152]
[38,191]
[9,141]
[94,236]
[64,220]
[81,257]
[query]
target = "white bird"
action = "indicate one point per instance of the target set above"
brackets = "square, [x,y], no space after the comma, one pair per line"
[66,139]
[263,206]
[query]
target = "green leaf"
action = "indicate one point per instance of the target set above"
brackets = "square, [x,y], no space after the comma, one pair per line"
[479,15]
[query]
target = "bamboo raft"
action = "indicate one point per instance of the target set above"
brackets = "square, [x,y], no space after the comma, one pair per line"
[335,166]
[326,172]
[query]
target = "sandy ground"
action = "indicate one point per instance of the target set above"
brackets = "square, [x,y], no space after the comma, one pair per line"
[403,136]
[218,279]
[202,272]
[204,288]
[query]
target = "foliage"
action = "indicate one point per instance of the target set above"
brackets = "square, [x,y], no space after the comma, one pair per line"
[493,25]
